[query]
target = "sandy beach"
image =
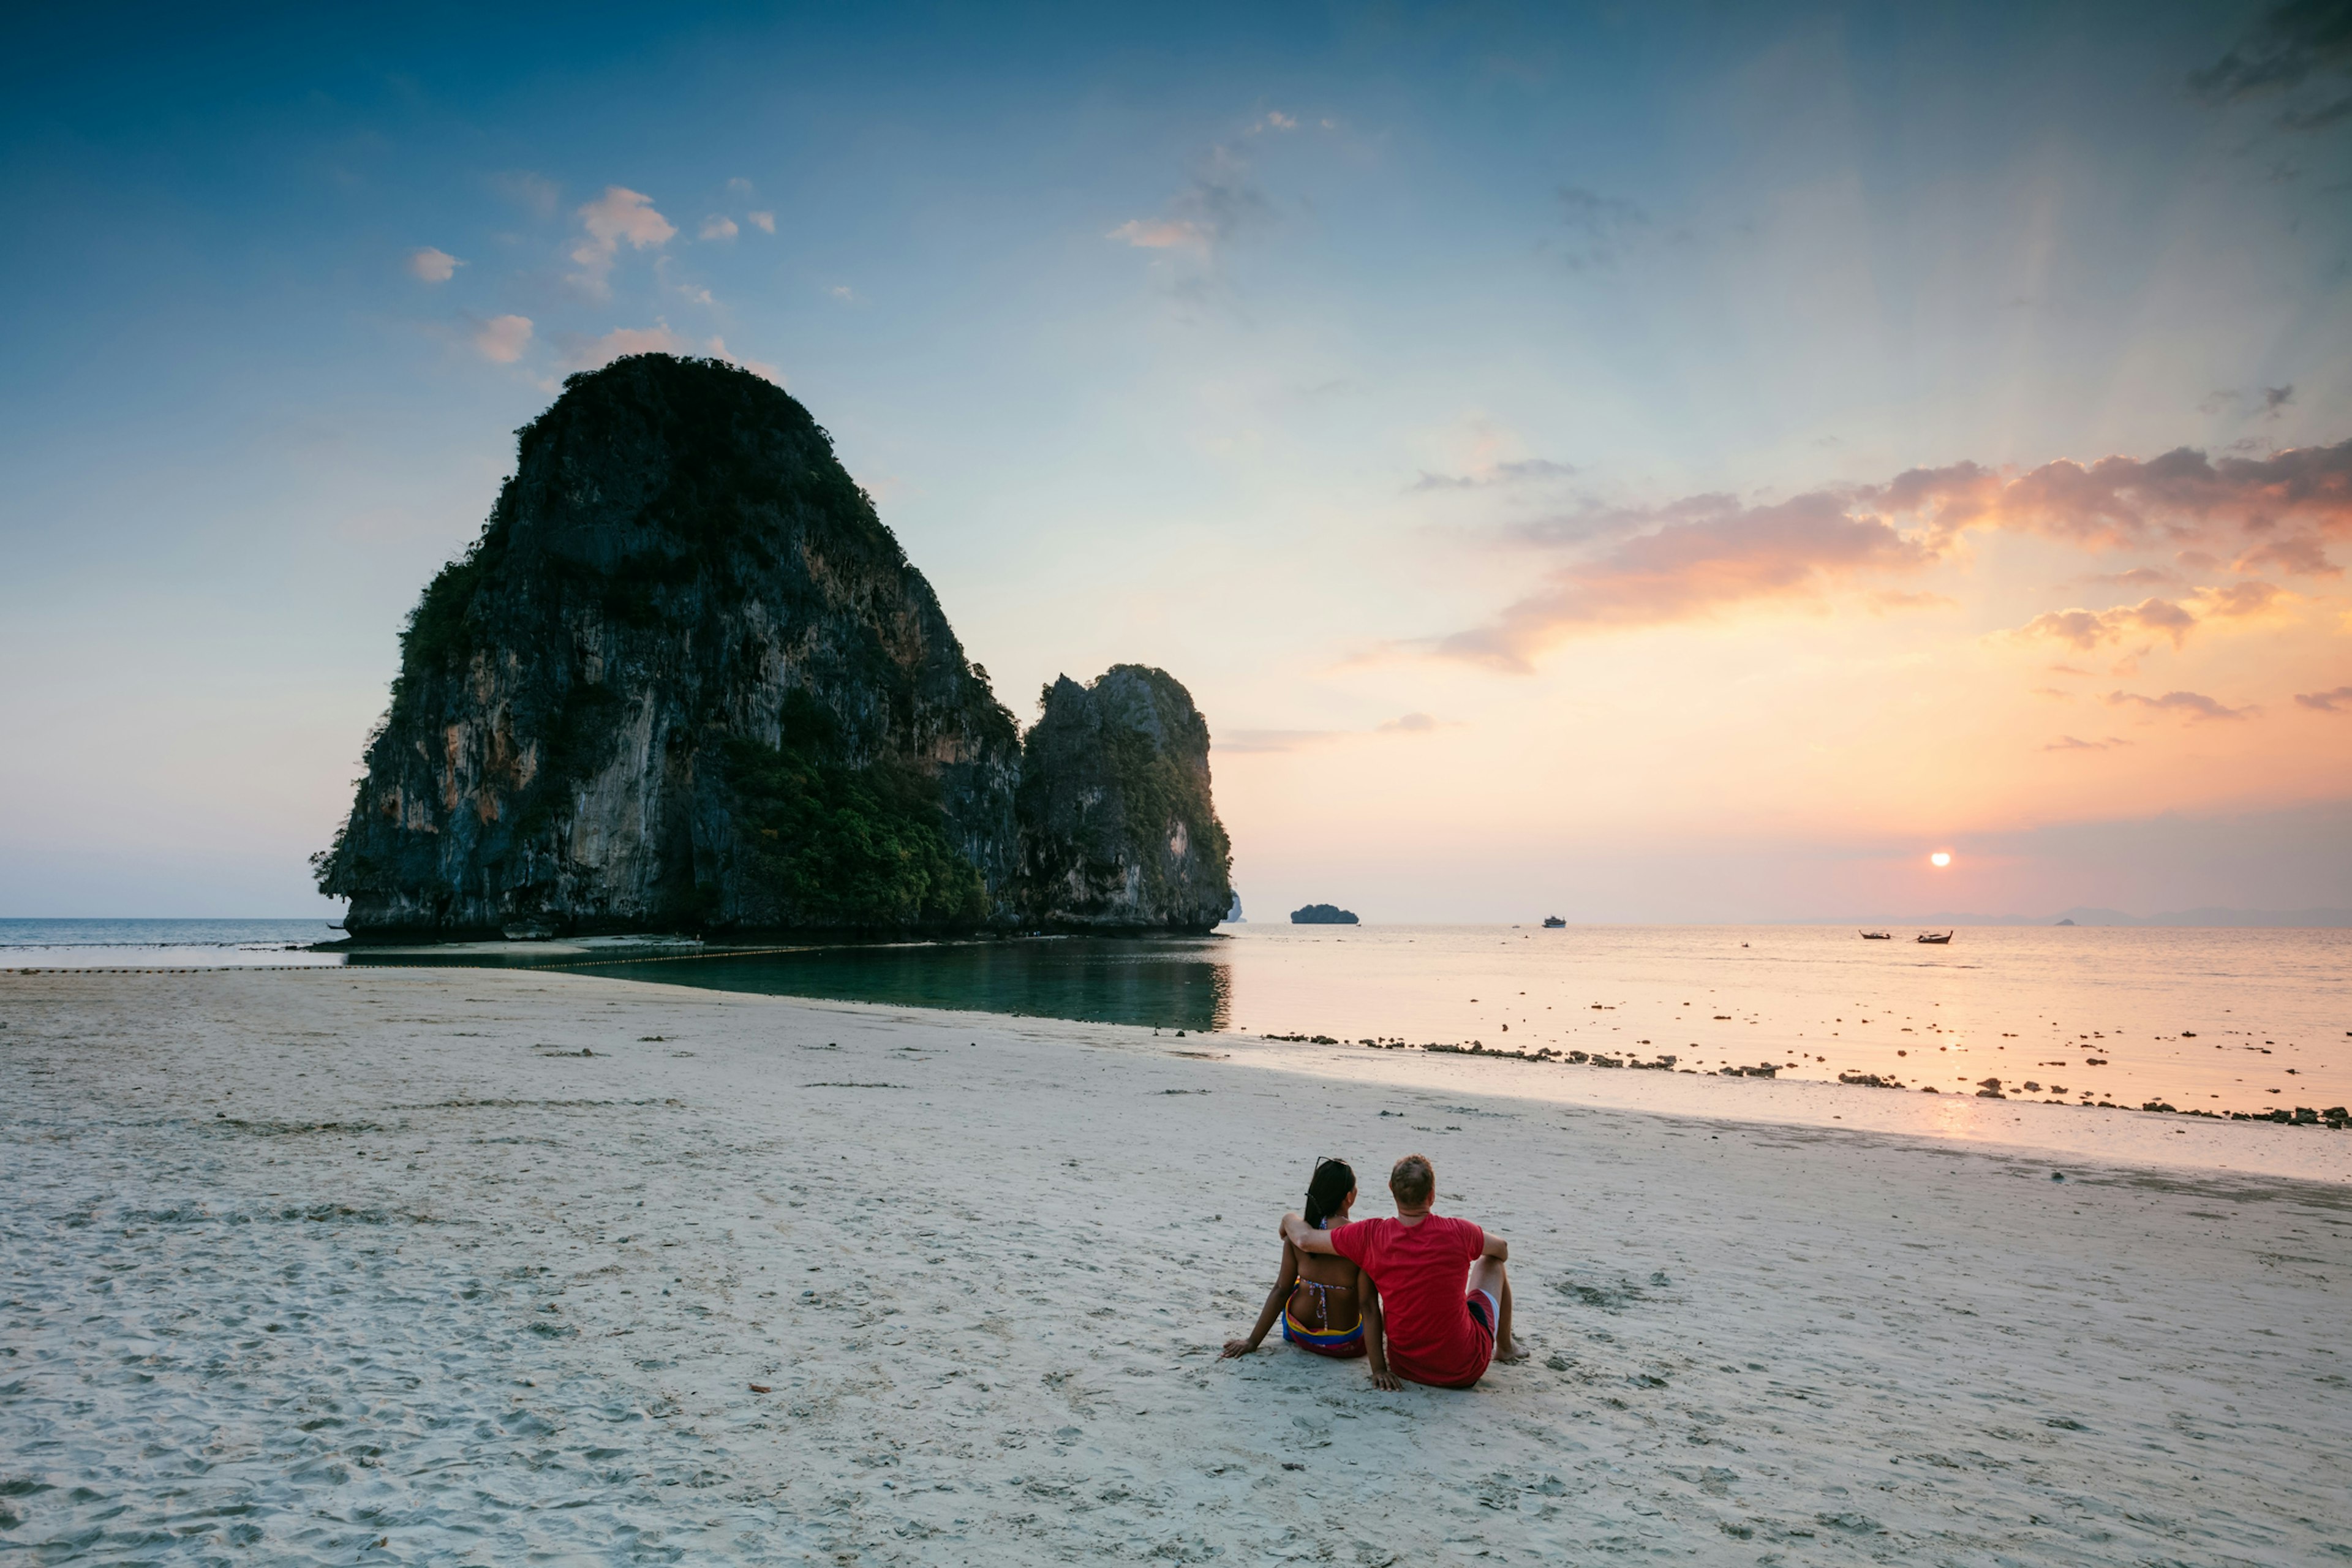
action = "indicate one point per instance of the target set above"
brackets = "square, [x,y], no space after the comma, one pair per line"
[433,1266]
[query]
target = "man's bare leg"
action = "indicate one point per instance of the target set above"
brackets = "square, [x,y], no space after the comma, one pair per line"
[1489,1275]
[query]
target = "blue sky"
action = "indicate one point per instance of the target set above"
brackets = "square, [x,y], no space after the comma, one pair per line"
[1315,354]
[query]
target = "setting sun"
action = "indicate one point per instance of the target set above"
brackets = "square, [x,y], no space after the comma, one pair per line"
[1940,858]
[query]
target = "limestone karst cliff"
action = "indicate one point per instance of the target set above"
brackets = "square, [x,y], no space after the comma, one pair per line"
[1118,829]
[686,679]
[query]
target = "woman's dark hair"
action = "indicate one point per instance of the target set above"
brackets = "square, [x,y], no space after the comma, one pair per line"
[1332,1182]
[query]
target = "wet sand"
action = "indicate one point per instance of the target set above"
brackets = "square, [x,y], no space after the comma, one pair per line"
[365,1265]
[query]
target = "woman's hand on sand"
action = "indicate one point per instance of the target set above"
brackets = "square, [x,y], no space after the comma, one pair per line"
[1385,1380]
[1236,1347]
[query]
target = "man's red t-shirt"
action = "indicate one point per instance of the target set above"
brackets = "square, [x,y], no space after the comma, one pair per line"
[1423,1272]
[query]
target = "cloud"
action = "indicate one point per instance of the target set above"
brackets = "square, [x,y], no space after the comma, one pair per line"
[1159,234]
[718,225]
[427,265]
[2337,701]
[533,192]
[1220,203]
[619,214]
[2182,497]
[2261,402]
[2087,630]
[2137,577]
[1523,472]
[2193,706]
[593,353]
[1699,555]
[2069,744]
[2318,119]
[2168,618]
[1275,121]
[1262,741]
[2292,43]
[501,339]
[739,186]
[1710,555]
[2238,600]
[2066,669]
[1600,229]
[2300,554]
[844,292]
[764,222]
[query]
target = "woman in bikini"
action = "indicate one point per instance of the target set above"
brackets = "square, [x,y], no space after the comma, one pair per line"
[1326,1304]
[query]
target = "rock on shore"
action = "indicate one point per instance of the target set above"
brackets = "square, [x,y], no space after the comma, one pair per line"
[1118,829]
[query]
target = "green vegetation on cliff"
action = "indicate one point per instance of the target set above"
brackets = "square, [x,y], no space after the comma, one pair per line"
[841,845]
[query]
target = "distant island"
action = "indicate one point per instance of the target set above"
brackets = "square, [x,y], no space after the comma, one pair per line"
[1322,915]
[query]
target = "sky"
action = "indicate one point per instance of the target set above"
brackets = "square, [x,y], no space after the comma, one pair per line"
[1664,462]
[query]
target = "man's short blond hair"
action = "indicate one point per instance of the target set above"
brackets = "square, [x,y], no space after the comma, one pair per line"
[1412,1180]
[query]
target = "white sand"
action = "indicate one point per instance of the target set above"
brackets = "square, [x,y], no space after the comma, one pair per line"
[301,1262]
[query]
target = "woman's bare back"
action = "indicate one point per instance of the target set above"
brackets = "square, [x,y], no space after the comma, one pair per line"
[1326,1297]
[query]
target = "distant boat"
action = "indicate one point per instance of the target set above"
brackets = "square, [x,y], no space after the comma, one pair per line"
[1935,938]
[1553,922]
[1878,936]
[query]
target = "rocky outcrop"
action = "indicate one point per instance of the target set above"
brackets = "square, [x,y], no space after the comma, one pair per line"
[1322,915]
[1118,828]
[686,679]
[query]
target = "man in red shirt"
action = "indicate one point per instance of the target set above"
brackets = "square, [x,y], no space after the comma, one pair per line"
[1436,1334]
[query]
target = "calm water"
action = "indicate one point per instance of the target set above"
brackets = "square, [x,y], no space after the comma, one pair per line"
[210,944]
[2218,1019]
[2214,1019]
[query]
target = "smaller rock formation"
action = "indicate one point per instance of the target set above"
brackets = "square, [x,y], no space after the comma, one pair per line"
[1323,915]
[1118,831]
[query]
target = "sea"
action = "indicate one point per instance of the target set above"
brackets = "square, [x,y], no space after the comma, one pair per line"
[2195,1018]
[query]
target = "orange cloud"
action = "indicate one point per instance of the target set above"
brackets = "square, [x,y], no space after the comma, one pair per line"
[1715,555]
[1159,234]
[2087,630]
[1698,556]
[502,339]
[2193,706]
[2281,506]
[2337,701]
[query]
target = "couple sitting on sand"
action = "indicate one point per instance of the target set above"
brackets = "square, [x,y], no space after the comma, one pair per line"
[1391,1289]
